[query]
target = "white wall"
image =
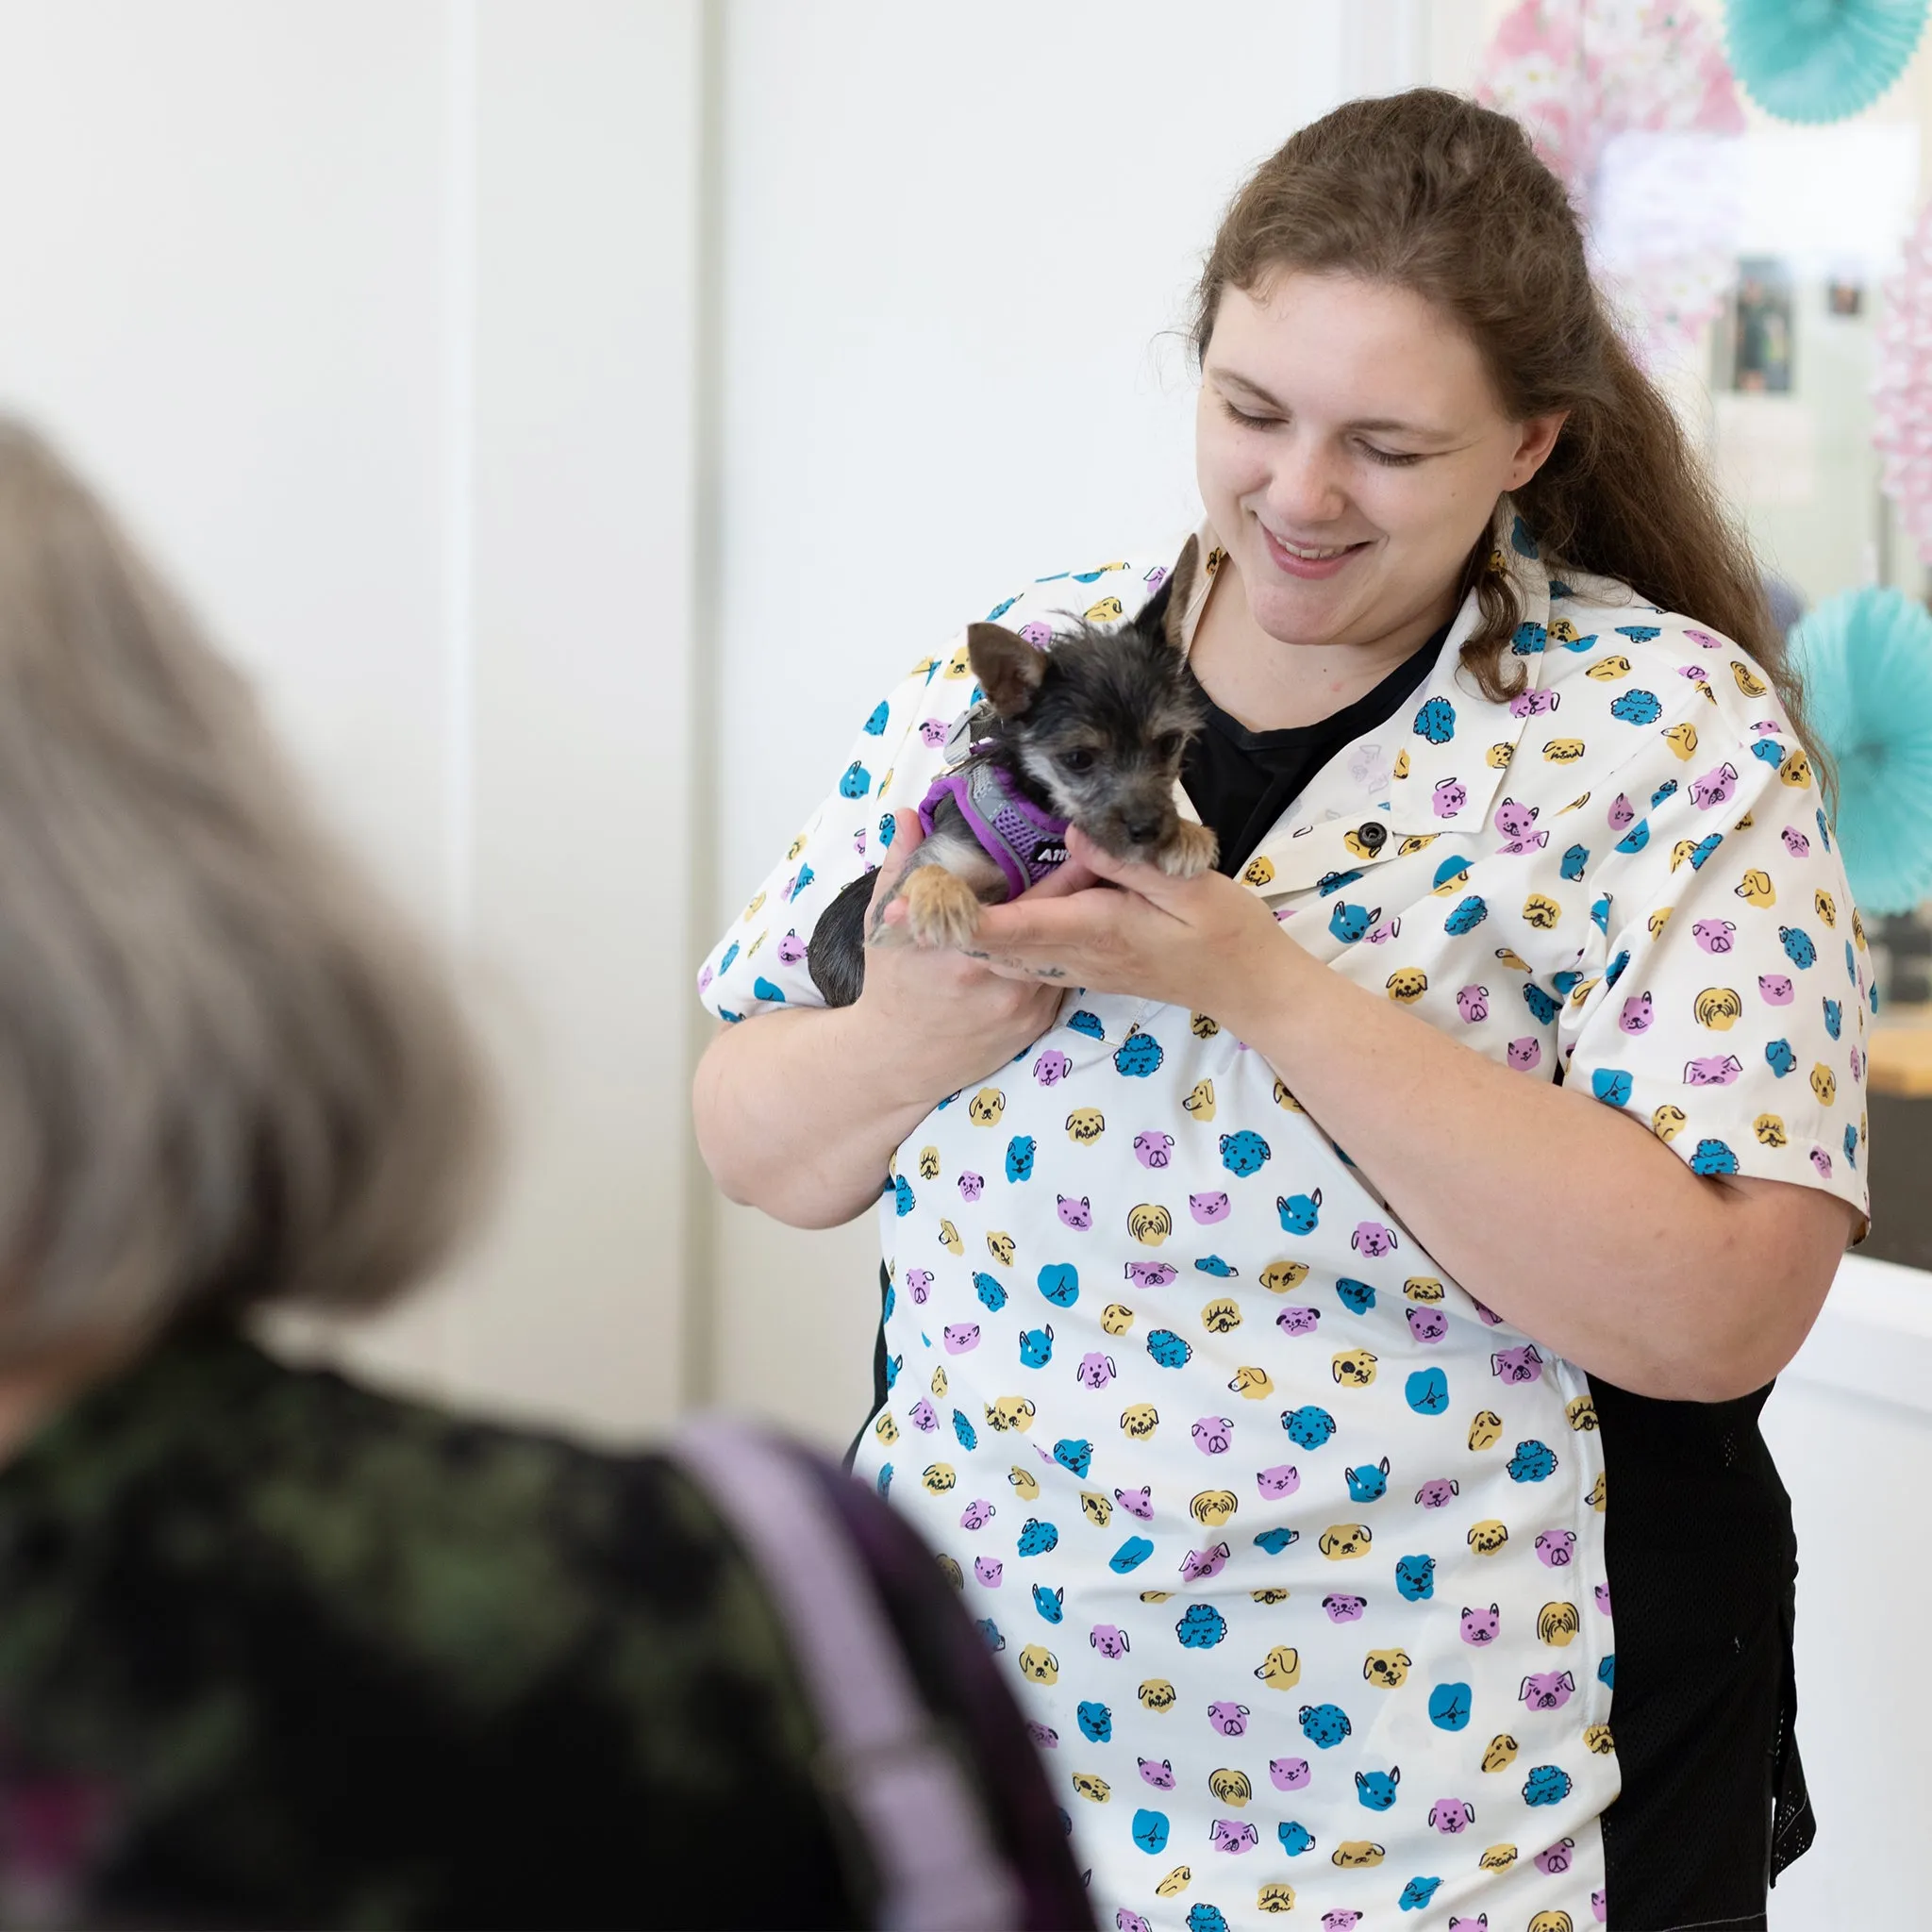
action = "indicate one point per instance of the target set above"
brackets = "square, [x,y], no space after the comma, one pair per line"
[375,319]
[953,243]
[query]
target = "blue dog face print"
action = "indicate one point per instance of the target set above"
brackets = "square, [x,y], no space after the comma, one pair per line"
[1324,1724]
[1243,1153]
[1036,1347]
[1300,1213]
[1038,1537]
[1308,1426]
[1415,1578]
[1533,1463]
[1201,1627]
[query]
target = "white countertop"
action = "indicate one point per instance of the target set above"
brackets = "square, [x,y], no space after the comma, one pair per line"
[1874,1337]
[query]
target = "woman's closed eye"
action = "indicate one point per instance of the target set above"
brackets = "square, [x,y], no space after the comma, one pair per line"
[1394,458]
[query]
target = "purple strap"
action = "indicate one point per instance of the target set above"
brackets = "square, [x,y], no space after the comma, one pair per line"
[1025,841]
[937,1868]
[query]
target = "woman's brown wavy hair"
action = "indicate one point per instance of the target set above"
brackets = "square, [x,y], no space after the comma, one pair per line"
[1427,191]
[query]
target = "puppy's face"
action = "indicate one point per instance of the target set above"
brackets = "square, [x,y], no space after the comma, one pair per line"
[1101,721]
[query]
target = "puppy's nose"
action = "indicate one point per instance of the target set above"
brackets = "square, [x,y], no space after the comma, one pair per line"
[1143,831]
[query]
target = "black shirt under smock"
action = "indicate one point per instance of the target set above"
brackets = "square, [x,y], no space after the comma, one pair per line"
[1699,1546]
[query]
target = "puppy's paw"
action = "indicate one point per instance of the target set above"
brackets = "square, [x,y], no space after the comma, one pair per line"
[941,910]
[1189,851]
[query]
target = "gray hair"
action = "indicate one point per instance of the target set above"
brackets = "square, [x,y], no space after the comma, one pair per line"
[228,1073]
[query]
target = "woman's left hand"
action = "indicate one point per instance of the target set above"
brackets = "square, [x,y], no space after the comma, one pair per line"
[1206,944]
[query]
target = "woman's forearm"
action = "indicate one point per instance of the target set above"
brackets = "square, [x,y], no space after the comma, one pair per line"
[797,1113]
[1566,1216]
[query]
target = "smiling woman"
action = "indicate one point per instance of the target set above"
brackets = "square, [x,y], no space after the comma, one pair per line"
[1515,1046]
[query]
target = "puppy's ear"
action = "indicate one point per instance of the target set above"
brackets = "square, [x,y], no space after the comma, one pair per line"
[1166,609]
[1007,667]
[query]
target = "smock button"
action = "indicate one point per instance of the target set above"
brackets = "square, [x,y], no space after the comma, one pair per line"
[1371,834]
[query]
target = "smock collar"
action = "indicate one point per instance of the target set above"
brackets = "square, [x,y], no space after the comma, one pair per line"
[1448,767]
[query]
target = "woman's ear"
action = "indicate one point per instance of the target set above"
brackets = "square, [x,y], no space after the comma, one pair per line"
[1007,667]
[1537,438]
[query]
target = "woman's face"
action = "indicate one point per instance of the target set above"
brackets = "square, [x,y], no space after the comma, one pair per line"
[1350,451]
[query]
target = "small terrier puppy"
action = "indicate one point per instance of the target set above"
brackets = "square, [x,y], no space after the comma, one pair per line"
[1091,733]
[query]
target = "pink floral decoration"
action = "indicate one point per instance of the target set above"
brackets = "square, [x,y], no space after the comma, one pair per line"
[1901,390]
[1623,99]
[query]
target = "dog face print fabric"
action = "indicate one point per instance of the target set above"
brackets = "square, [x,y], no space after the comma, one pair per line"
[1294,1550]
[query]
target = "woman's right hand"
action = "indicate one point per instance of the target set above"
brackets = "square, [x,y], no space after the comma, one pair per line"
[799,1111]
[939,1015]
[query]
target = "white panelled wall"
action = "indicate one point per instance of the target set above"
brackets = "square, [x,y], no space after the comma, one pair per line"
[377,320]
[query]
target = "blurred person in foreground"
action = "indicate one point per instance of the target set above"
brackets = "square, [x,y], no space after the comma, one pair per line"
[277,1650]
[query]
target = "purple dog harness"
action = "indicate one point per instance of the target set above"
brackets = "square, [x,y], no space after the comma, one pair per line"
[1026,842]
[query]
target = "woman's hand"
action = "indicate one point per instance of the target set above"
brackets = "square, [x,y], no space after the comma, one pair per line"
[941,1017]
[1206,944]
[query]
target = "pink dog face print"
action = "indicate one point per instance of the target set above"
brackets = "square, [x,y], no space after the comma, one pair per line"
[1344,1609]
[970,1186]
[1153,1149]
[1214,1434]
[1777,989]
[1298,1320]
[962,1336]
[919,1284]
[1555,1547]
[1451,1816]
[1372,1240]
[1201,1564]
[1151,1273]
[1136,1503]
[1526,1055]
[1473,1003]
[1638,1013]
[1209,1209]
[988,1570]
[1439,1492]
[1052,1067]
[1283,1479]
[1230,1835]
[1428,1324]
[1077,1215]
[1717,787]
[1522,1363]
[1481,1627]
[1715,1070]
[1448,798]
[1715,935]
[1289,1773]
[1159,1775]
[1230,1720]
[1547,1689]
[1095,1371]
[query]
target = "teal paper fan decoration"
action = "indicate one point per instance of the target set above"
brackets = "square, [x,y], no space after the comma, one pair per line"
[1821,60]
[1866,660]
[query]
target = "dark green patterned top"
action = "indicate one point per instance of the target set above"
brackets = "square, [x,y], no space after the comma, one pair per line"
[276,1650]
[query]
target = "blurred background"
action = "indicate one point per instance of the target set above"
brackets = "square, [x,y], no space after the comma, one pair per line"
[578,413]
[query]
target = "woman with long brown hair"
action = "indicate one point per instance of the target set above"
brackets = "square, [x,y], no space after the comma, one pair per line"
[1328,1300]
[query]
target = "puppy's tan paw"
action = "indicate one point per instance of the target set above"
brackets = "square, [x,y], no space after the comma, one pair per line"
[1189,851]
[940,908]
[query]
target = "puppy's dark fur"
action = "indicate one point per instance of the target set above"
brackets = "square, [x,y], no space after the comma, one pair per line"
[1094,730]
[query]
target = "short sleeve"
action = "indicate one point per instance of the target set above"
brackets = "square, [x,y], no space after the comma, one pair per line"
[758,962]
[1728,1015]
